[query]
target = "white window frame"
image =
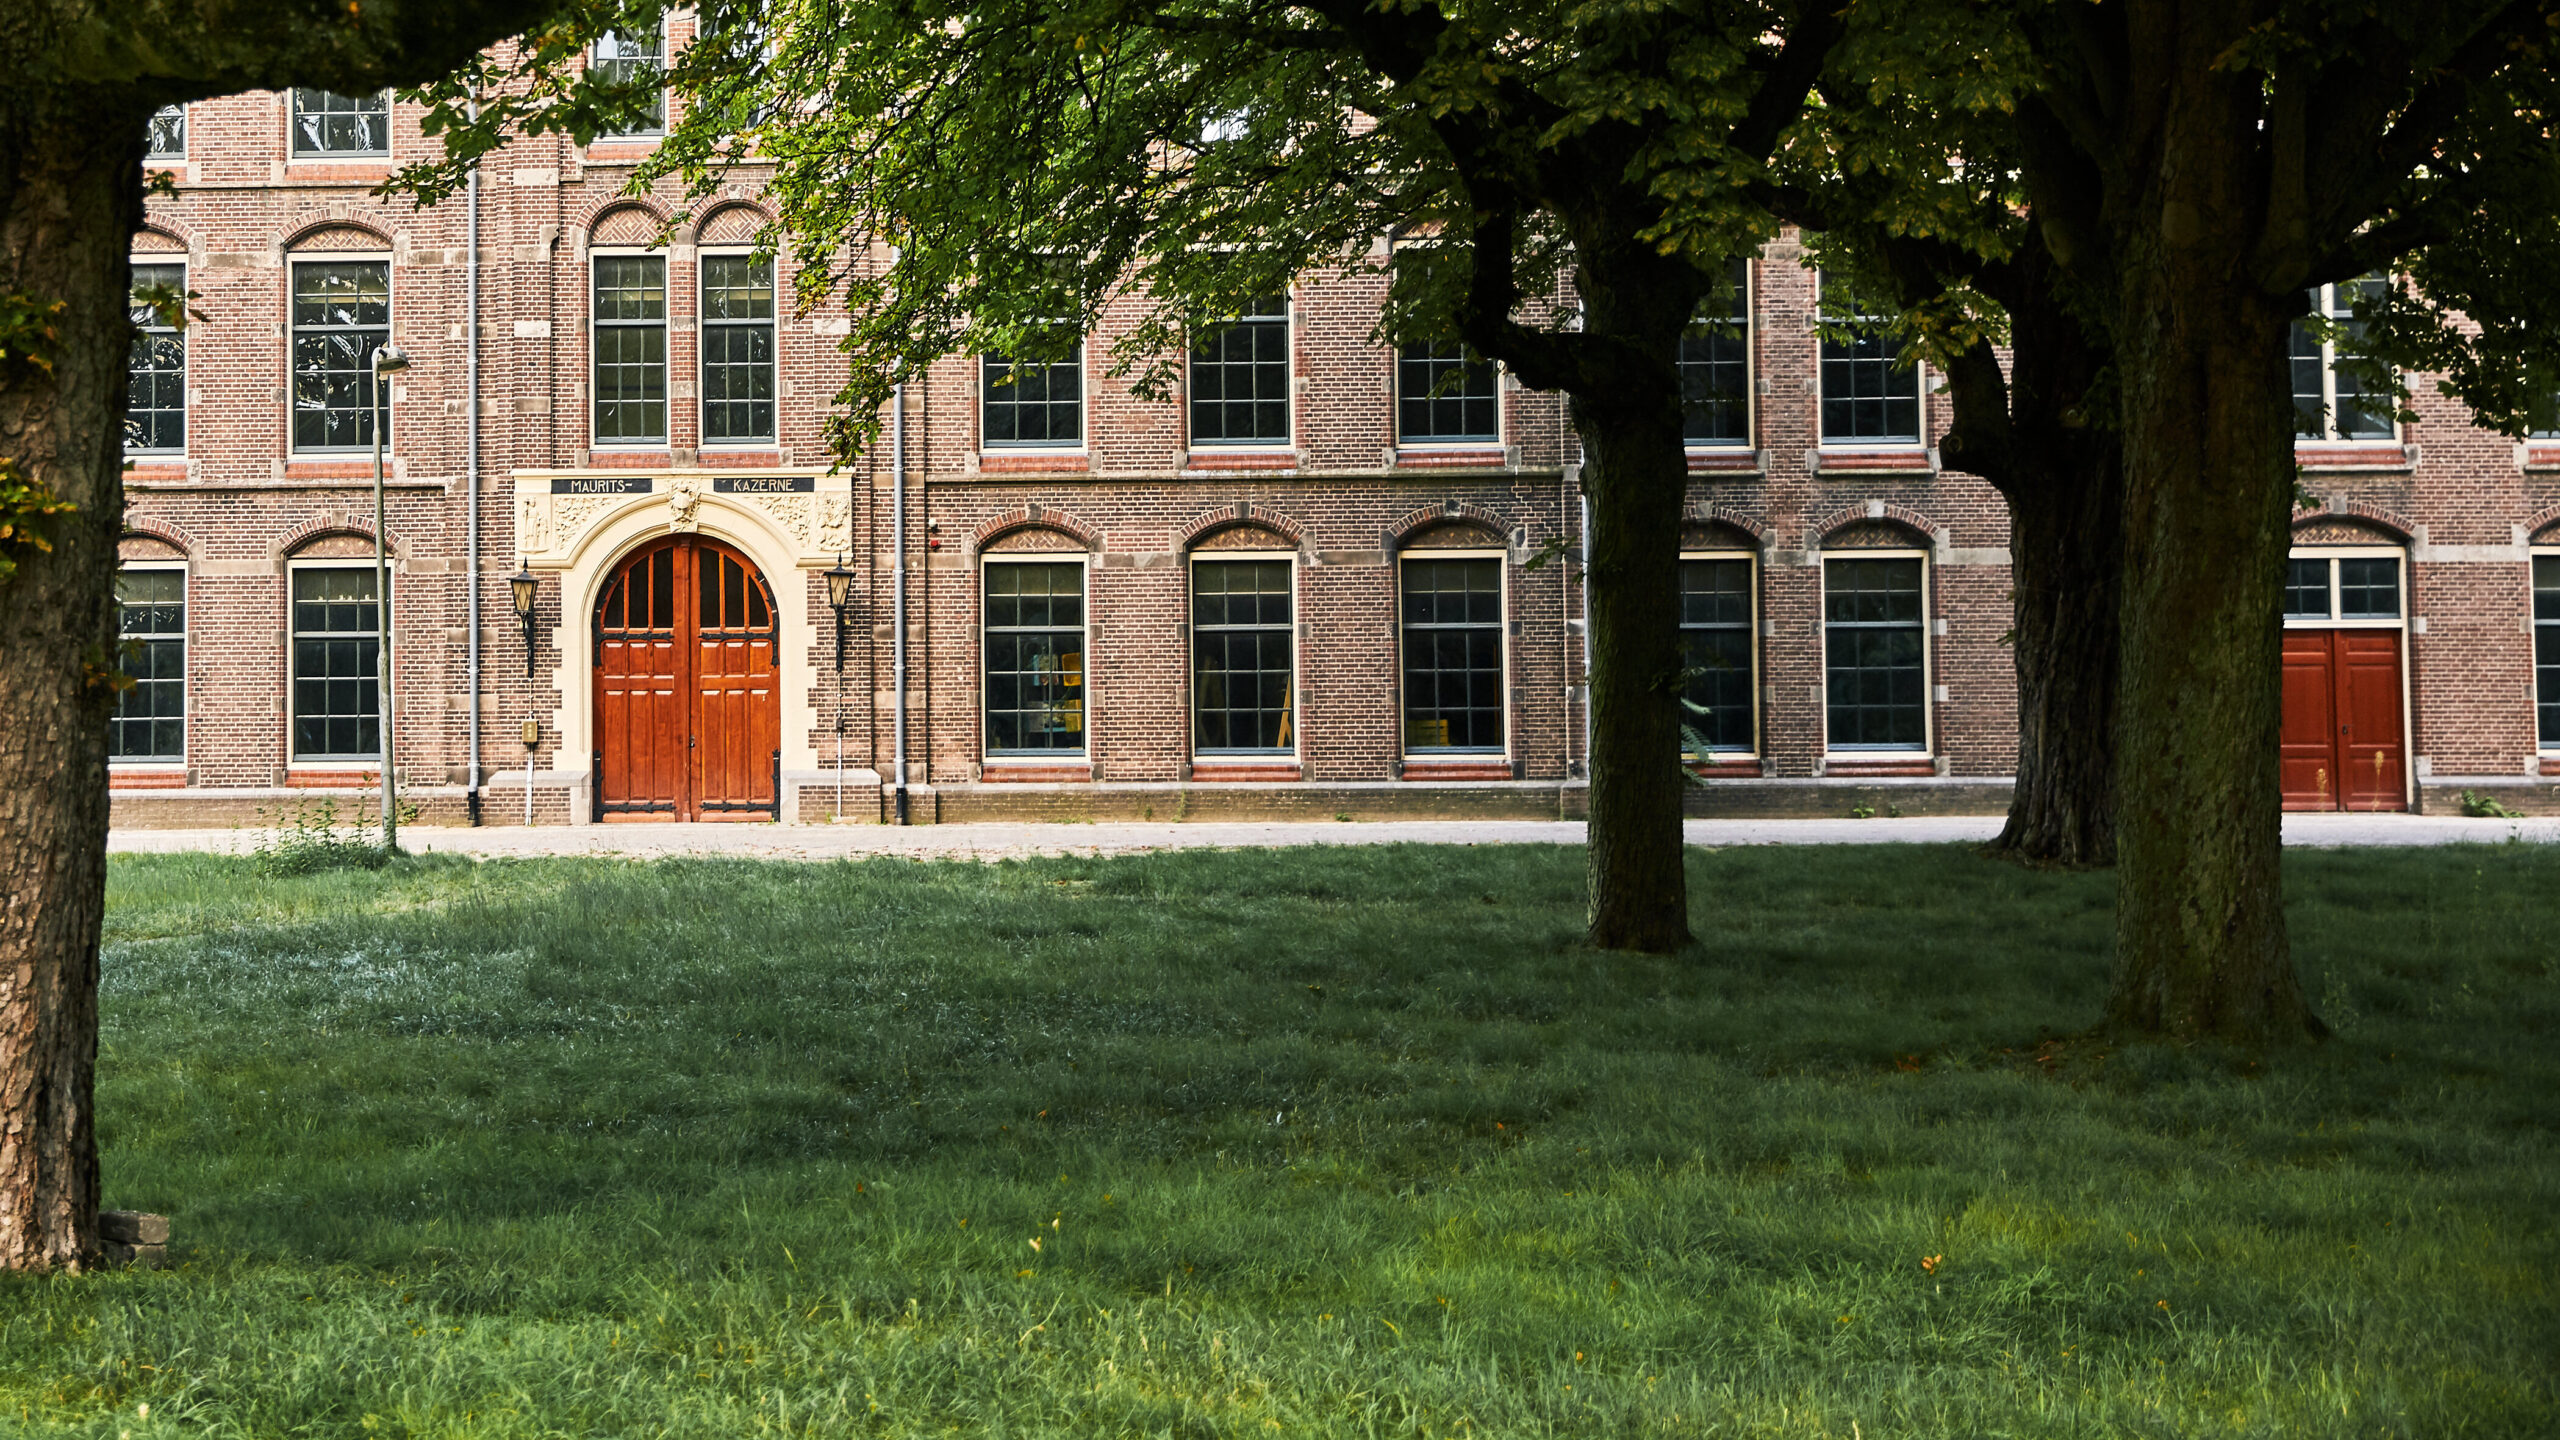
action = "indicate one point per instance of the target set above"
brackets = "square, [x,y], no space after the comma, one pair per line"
[178,156]
[1501,422]
[1289,332]
[2331,310]
[1502,629]
[186,670]
[1287,754]
[667,324]
[292,129]
[391,588]
[1919,382]
[1928,657]
[390,327]
[702,325]
[1749,296]
[1082,754]
[1758,663]
[186,362]
[644,136]
[2533,628]
[1084,411]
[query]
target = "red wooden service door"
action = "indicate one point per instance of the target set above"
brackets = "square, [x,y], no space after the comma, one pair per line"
[2342,746]
[688,708]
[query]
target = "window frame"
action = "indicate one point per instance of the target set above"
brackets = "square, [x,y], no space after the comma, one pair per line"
[1084,412]
[186,670]
[1405,750]
[703,325]
[2336,619]
[152,157]
[596,59]
[1746,297]
[292,712]
[1919,369]
[1082,754]
[1751,589]
[1408,441]
[1297,656]
[294,154]
[666,348]
[2328,308]
[1928,627]
[2545,746]
[391,317]
[185,361]
[1287,320]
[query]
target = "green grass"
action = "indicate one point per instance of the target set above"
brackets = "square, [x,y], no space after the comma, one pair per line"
[1336,1142]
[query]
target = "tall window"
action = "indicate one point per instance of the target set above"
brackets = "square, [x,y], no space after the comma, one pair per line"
[167,137]
[2546,647]
[151,622]
[630,336]
[2346,587]
[737,348]
[1445,393]
[1035,658]
[1873,617]
[341,315]
[636,60]
[2330,402]
[327,123]
[1716,651]
[337,697]
[1240,378]
[155,406]
[1870,392]
[1243,675]
[1028,405]
[1715,367]
[1452,654]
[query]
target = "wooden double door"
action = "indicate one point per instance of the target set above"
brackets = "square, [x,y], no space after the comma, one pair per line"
[2343,746]
[688,701]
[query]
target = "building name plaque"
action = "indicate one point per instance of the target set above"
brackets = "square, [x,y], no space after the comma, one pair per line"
[600,485]
[764,484]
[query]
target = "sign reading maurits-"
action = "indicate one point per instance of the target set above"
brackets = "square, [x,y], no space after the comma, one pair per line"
[763,484]
[600,485]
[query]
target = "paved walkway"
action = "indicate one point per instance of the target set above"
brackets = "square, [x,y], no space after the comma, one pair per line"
[997,841]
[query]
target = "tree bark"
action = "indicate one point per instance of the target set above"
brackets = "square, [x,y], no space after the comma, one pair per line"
[2066,569]
[70,197]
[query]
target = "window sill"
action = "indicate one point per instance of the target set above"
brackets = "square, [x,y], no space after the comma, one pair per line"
[354,469]
[146,775]
[1033,462]
[1446,768]
[630,459]
[2375,457]
[2538,455]
[1473,455]
[1727,767]
[1910,461]
[1036,772]
[2551,764]
[1878,765]
[323,775]
[1241,770]
[1240,458]
[158,467]
[743,459]
[1731,460]
[629,150]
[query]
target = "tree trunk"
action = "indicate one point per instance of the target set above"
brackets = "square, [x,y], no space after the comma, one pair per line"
[2066,574]
[1636,474]
[70,197]
[2201,949]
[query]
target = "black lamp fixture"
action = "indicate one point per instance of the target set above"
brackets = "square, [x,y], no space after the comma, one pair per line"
[839,595]
[523,584]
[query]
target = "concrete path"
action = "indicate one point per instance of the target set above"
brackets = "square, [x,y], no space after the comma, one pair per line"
[998,841]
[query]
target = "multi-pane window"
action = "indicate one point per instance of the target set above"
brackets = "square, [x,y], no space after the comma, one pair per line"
[1445,393]
[337,697]
[341,315]
[1870,390]
[2546,647]
[151,626]
[1715,367]
[630,336]
[636,60]
[1716,651]
[737,349]
[1873,654]
[1035,658]
[1243,675]
[328,123]
[155,405]
[1452,654]
[2330,400]
[2348,587]
[1240,378]
[166,139]
[1030,404]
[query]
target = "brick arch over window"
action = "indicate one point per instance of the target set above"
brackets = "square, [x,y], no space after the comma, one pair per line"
[2327,529]
[334,234]
[1410,527]
[627,224]
[152,240]
[323,534]
[1749,524]
[2544,529]
[2400,526]
[1212,529]
[1716,535]
[997,532]
[734,224]
[148,537]
[1872,526]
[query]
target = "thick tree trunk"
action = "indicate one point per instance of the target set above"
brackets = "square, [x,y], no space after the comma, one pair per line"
[70,196]
[2066,570]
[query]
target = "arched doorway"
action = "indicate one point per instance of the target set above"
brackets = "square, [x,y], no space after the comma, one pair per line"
[688,704]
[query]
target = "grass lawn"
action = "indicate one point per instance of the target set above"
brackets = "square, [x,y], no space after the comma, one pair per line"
[1325,1142]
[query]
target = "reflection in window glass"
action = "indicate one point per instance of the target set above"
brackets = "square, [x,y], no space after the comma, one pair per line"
[2306,589]
[737,349]
[2330,400]
[1873,649]
[1444,393]
[1240,378]
[2369,589]
[1715,367]
[1243,670]
[155,406]
[630,335]
[341,315]
[2546,647]
[1035,658]
[327,123]
[336,684]
[1028,404]
[167,137]
[151,627]
[635,60]
[1452,654]
[1716,651]
[1870,393]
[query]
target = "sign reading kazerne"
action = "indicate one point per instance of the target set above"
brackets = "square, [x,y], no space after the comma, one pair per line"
[763,484]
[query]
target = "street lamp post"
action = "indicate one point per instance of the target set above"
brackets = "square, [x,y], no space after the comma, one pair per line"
[839,595]
[385,360]
[522,587]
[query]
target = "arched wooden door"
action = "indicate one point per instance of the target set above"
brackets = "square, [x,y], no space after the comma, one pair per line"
[688,705]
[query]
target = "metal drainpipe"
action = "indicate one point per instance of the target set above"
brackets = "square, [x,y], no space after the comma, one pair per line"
[1586,624]
[898,586]
[471,468]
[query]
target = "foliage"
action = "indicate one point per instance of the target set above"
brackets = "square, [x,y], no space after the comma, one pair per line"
[2481,806]
[28,330]
[26,507]
[307,840]
[1356,1141]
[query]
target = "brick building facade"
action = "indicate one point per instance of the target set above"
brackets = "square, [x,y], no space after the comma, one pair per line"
[1302,587]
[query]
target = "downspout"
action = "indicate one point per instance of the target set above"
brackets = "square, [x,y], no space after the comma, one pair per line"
[1586,624]
[471,460]
[898,587]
